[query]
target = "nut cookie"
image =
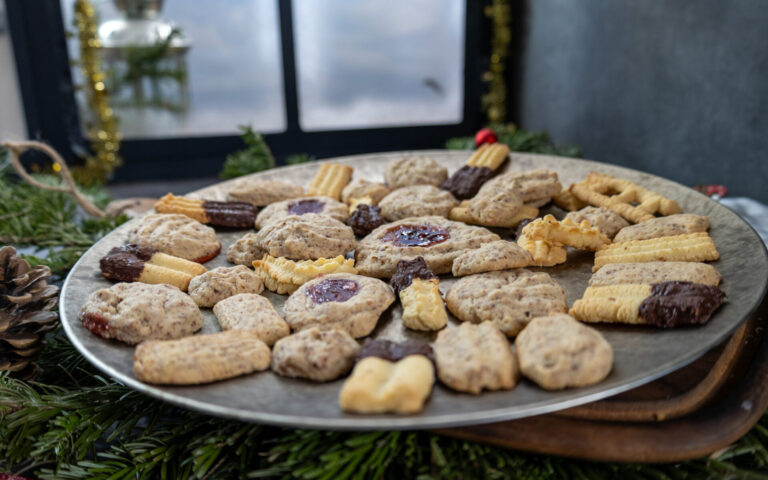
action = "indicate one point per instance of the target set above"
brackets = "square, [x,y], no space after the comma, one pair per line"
[473,358]
[361,188]
[536,187]
[261,193]
[436,239]
[607,221]
[417,201]
[254,313]
[316,353]
[668,226]
[245,250]
[558,352]
[302,206]
[345,301]
[215,285]
[177,235]
[134,312]
[407,171]
[493,256]
[306,237]
[510,299]
[648,273]
[200,358]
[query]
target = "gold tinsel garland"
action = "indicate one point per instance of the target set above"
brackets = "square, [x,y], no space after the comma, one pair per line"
[495,101]
[102,128]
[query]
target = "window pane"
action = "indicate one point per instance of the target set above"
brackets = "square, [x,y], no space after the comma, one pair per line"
[366,63]
[231,74]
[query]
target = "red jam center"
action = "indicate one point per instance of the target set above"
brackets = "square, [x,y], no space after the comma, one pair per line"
[305,206]
[416,235]
[333,290]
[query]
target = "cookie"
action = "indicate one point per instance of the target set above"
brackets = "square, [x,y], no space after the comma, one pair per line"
[132,263]
[666,304]
[506,220]
[302,206]
[436,239]
[669,226]
[655,272]
[365,218]
[215,285]
[558,352]
[134,312]
[316,354]
[222,214]
[330,180]
[360,188]
[489,155]
[493,256]
[544,253]
[281,275]
[582,236]
[535,187]
[417,287]
[495,204]
[692,247]
[510,299]
[305,237]
[607,221]
[176,235]
[473,358]
[568,201]
[631,201]
[261,193]
[200,358]
[254,313]
[417,201]
[348,302]
[466,181]
[380,386]
[407,171]
[245,250]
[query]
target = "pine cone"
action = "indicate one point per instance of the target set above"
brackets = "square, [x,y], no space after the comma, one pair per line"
[25,304]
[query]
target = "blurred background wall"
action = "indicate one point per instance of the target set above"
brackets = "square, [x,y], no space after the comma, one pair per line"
[11,114]
[675,87]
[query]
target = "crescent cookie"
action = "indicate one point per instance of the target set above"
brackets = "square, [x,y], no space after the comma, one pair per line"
[407,171]
[176,235]
[302,206]
[305,237]
[607,221]
[252,312]
[436,239]
[345,301]
[417,201]
[493,256]
[215,285]
[316,354]
[261,193]
[134,312]
[472,358]
[510,299]
[664,227]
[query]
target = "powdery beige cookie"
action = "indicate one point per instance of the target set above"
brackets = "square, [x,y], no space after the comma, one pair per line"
[543,252]
[252,312]
[509,299]
[423,306]
[607,221]
[200,358]
[671,225]
[692,247]
[302,206]
[261,193]
[215,285]
[281,275]
[498,255]
[648,273]
[380,386]
[407,171]
[134,312]
[582,236]
[330,180]
[317,354]
[525,212]
[558,352]
[306,237]
[535,187]
[473,358]
[176,235]
[495,204]
[436,239]
[245,250]
[417,201]
[352,303]
[361,188]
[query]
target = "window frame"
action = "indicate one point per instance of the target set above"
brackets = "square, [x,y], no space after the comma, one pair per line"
[48,94]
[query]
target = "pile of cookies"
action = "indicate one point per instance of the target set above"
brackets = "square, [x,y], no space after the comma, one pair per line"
[345,250]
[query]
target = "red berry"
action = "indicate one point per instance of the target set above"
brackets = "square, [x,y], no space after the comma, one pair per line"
[485,135]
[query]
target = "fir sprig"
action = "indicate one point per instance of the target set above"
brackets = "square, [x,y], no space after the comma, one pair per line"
[254,158]
[518,141]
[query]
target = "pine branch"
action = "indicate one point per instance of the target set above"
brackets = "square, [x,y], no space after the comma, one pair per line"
[254,158]
[518,141]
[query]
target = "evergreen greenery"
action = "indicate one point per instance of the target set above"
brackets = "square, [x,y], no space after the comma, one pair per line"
[74,423]
[254,158]
[518,141]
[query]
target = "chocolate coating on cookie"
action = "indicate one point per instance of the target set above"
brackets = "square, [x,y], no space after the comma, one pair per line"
[365,218]
[125,263]
[394,351]
[407,270]
[466,181]
[672,304]
[230,214]
[416,235]
[333,290]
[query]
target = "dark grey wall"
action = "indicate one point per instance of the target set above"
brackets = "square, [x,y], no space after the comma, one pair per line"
[678,87]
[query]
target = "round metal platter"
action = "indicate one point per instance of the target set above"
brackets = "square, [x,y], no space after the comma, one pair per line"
[642,354]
